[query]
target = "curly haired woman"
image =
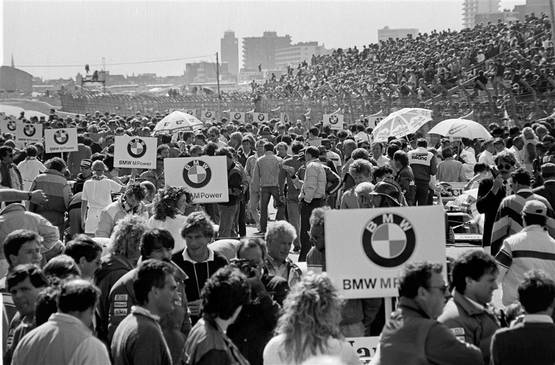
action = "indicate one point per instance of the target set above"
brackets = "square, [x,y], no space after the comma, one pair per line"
[171,208]
[309,325]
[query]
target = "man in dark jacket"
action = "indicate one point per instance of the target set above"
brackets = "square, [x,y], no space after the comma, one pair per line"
[547,190]
[468,314]
[413,335]
[492,191]
[229,210]
[155,244]
[84,175]
[531,340]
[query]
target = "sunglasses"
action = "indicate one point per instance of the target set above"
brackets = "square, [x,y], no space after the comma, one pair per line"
[504,166]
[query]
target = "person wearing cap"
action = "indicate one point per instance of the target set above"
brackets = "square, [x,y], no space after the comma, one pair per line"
[74,158]
[84,175]
[531,248]
[547,190]
[97,195]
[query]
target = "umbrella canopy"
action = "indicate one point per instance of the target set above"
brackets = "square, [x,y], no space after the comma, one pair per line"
[461,128]
[178,121]
[11,110]
[401,123]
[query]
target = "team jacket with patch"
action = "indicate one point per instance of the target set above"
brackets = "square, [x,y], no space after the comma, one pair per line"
[175,325]
[470,323]
[423,164]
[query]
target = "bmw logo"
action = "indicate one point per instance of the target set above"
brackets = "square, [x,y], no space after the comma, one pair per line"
[197,174]
[237,116]
[11,125]
[29,130]
[261,117]
[208,114]
[136,148]
[334,119]
[389,240]
[61,136]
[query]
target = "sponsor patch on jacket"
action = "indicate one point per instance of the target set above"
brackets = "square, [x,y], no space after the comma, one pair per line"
[120,297]
[120,312]
[458,332]
[120,304]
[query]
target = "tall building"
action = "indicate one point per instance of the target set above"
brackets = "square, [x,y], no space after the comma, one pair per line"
[260,52]
[296,53]
[204,72]
[471,8]
[229,49]
[385,33]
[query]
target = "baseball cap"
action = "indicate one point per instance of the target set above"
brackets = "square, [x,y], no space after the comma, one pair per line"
[86,163]
[535,207]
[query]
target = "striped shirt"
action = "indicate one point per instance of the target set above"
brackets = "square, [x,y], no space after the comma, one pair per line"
[532,248]
[508,220]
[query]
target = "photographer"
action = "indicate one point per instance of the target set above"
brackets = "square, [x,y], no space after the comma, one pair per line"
[256,322]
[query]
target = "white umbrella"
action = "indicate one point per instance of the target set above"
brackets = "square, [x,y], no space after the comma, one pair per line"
[401,123]
[178,121]
[11,110]
[461,128]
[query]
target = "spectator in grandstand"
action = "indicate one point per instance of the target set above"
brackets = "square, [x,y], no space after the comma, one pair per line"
[529,341]
[309,325]
[197,260]
[86,253]
[58,192]
[230,210]
[508,220]
[279,237]
[255,324]
[24,284]
[66,337]
[265,181]
[97,195]
[170,213]
[492,191]
[10,177]
[31,167]
[423,292]
[449,169]
[536,245]
[468,313]
[122,257]
[129,203]
[138,339]
[155,244]
[223,296]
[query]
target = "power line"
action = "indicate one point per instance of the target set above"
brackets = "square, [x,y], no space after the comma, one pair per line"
[116,63]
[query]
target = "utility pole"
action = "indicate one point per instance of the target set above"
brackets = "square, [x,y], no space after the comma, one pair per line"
[218,84]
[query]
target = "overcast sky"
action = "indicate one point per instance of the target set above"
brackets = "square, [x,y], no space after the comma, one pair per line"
[79,32]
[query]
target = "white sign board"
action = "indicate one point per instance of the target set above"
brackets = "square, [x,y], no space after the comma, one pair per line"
[335,121]
[366,257]
[8,126]
[28,133]
[283,117]
[205,177]
[60,140]
[135,152]
[374,120]
[364,346]
[260,117]
[237,117]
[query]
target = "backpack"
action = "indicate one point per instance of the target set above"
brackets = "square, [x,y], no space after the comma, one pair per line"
[333,181]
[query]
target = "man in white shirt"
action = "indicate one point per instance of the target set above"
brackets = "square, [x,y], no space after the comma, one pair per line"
[377,154]
[66,337]
[30,168]
[487,155]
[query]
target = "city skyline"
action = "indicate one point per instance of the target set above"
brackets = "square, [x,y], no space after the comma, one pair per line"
[124,31]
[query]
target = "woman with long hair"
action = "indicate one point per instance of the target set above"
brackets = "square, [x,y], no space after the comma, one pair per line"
[171,208]
[309,325]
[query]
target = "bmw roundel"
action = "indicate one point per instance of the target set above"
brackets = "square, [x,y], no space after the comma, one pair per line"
[61,136]
[334,119]
[261,117]
[237,116]
[197,174]
[208,114]
[11,125]
[29,130]
[389,240]
[136,148]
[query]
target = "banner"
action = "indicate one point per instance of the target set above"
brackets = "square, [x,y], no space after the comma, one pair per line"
[28,133]
[135,152]
[208,114]
[237,117]
[366,257]
[60,140]
[260,117]
[335,121]
[364,346]
[205,177]
[8,126]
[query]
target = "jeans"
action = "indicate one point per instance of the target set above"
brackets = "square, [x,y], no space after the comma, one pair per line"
[294,217]
[228,214]
[242,216]
[306,211]
[253,206]
[421,193]
[265,193]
